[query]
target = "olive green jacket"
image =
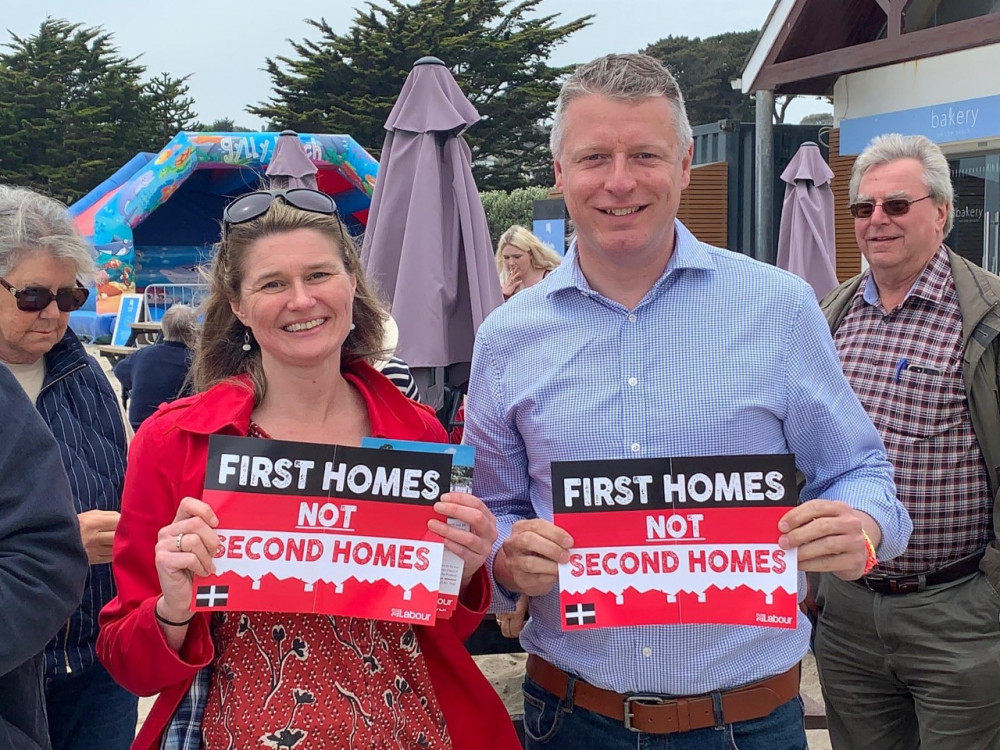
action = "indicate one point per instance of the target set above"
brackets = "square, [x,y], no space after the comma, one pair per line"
[979,301]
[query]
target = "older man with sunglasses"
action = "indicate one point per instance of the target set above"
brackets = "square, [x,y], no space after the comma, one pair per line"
[910,654]
[44,264]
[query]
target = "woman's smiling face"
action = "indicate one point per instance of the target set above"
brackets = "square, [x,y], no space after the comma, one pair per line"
[297,298]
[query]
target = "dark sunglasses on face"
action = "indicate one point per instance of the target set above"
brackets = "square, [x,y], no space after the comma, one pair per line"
[248,207]
[892,207]
[37,298]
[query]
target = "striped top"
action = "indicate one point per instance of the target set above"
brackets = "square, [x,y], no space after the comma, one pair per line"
[81,409]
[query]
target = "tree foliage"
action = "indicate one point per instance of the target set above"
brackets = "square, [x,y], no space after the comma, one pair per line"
[222,125]
[506,209]
[73,110]
[704,69]
[817,118]
[348,83]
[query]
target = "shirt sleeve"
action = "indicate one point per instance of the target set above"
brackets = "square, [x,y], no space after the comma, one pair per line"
[123,371]
[42,562]
[835,444]
[501,477]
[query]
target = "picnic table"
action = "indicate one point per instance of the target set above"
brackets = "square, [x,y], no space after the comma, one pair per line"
[140,334]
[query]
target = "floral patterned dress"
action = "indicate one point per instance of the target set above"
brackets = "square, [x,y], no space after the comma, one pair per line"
[316,682]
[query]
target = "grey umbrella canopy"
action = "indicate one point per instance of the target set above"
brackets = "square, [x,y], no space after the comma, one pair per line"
[806,244]
[290,166]
[427,247]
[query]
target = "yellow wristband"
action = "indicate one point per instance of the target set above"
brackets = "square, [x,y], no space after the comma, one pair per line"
[872,560]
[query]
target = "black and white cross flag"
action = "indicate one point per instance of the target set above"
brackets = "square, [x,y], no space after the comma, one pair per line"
[212,596]
[580,614]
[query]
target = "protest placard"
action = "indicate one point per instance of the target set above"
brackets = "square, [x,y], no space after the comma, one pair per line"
[320,528]
[676,541]
[462,462]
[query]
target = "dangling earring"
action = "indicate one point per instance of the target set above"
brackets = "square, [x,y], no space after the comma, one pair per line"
[246,340]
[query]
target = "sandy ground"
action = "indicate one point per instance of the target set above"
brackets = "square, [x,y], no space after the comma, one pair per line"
[505,671]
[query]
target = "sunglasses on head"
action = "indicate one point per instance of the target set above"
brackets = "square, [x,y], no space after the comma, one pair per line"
[37,298]
[891,207]
[251,205]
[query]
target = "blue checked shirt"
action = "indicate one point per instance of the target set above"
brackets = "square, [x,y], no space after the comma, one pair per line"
[723,356]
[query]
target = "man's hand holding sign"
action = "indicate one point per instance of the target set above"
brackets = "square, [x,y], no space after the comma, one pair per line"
[667,538]
[830,537]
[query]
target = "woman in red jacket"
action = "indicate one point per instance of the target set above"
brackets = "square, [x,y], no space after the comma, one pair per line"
[288,328]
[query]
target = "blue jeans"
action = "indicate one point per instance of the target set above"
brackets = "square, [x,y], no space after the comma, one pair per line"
[550,723]
[90,711]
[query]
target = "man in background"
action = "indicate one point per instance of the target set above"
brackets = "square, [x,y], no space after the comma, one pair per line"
[909,656]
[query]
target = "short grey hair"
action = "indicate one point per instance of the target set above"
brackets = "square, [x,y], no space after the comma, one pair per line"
[180,323]
[30,222]
[892,147]
[627,78]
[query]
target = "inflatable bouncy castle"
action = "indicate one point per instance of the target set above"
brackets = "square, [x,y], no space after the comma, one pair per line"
[156,219]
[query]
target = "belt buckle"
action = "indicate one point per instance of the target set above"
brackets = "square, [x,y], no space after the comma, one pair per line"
[645,700]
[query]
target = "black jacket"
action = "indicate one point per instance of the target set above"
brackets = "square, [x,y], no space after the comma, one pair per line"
[42,563]
[153,375]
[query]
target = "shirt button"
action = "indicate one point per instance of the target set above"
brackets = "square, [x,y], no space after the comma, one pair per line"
[635,447]
[632,318]
[647,651]
[633,381]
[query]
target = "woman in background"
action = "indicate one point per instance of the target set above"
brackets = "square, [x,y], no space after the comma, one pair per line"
[523,260]
[45,266]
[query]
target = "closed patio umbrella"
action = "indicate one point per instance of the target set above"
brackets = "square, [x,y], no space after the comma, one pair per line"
[290,165]
[806,244]
[427,246]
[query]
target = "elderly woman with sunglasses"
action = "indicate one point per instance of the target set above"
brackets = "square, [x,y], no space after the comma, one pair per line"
[43,266]
[289,330]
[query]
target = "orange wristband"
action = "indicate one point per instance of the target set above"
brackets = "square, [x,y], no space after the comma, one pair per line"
[872,560]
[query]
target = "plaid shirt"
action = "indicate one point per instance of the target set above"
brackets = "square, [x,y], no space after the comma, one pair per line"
[184,730]
[906,367]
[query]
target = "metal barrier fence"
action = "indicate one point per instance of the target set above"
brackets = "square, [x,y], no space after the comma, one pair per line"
[159,297]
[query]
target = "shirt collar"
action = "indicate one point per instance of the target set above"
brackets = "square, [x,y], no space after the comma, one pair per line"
[688,253]
[931,284]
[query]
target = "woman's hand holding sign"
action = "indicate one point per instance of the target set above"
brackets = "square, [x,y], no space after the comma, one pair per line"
[830,537]
[474,545]
[184,549]
[528,562]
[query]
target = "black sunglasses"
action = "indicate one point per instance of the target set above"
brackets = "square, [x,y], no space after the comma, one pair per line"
[251,205]
[892,207]
[37,298]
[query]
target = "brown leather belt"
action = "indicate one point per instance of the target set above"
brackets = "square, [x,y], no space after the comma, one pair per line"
[659,715]
[918,582]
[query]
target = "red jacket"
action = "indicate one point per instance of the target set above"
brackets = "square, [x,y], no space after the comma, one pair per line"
[166,463]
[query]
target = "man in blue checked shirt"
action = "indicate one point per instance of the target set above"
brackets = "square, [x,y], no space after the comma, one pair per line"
[646,343]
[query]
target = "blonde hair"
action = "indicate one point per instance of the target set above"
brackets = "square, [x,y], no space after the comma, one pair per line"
[220,352]
[542,256]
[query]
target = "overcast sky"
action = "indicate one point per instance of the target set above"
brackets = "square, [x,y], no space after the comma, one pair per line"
[222,44]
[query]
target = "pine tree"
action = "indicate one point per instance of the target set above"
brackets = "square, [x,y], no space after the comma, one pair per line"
[73,110]
[347,83]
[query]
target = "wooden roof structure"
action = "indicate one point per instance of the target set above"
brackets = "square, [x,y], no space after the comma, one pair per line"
[806,45]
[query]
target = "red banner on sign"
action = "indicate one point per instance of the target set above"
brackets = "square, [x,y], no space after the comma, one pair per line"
[676,541]
[364,551]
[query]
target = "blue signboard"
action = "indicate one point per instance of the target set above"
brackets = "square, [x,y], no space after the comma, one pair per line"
[129,312]
[552,232]
[942,123]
